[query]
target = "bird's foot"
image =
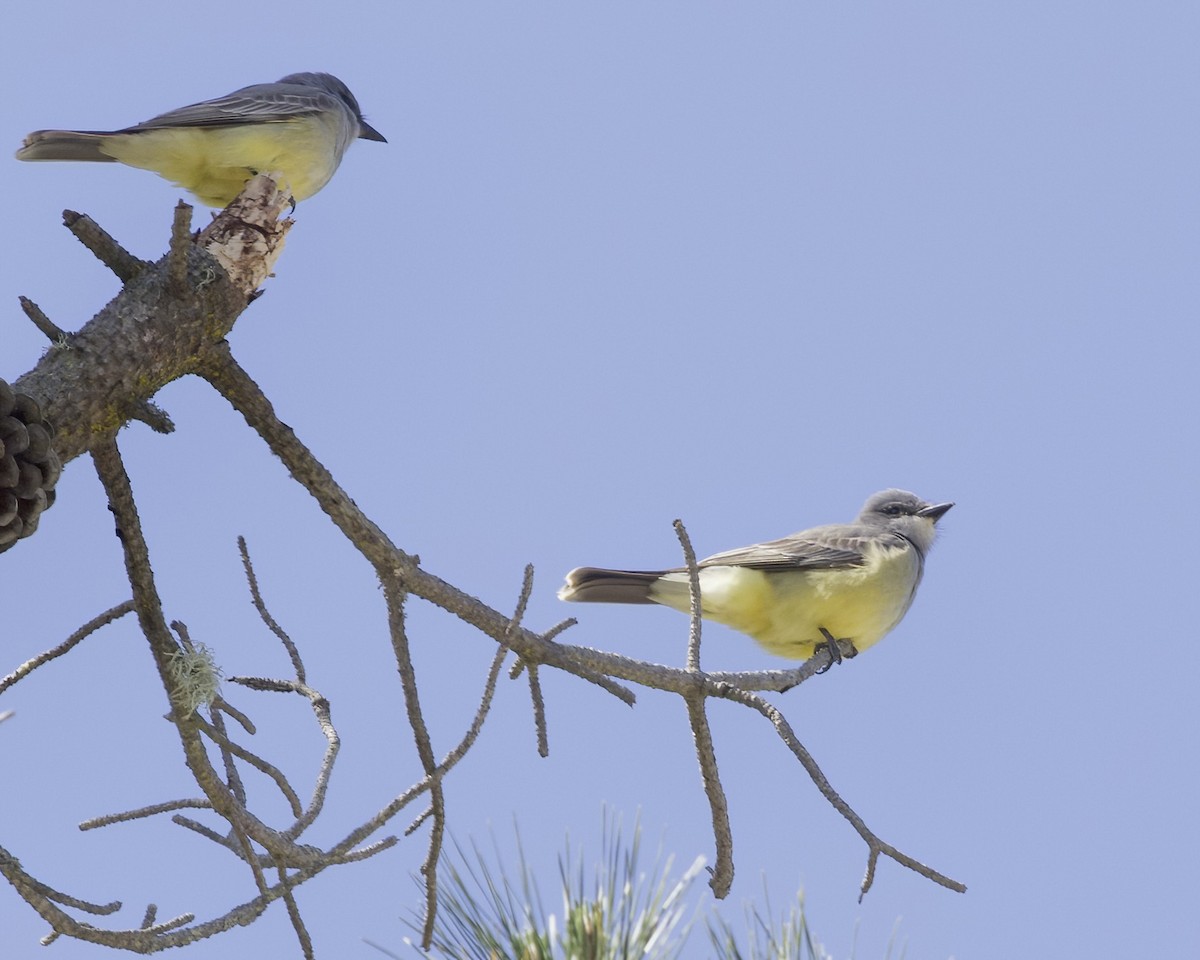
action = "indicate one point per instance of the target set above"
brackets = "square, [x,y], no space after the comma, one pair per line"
[839,649]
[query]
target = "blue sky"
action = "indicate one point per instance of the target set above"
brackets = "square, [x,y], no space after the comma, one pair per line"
[618,265]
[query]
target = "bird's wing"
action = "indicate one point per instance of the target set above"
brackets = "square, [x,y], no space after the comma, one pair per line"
[823,548]
[261,103]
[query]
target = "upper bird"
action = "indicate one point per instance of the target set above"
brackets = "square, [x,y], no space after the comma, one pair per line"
[846,581]
[295,130]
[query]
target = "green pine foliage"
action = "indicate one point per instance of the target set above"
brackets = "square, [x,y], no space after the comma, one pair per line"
[613,912]
[789,938]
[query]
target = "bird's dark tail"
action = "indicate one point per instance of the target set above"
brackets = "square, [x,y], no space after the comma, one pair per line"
[65,145]
[594,585]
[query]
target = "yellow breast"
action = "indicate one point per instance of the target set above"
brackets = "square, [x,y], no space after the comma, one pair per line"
[214,163]
[784,610]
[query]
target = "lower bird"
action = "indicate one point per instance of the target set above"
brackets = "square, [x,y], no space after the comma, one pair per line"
[844,584]
[295,130]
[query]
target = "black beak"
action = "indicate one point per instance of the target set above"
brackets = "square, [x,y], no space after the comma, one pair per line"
[934,511]
[368,132]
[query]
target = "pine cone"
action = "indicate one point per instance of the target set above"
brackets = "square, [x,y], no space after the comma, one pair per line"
[29,467]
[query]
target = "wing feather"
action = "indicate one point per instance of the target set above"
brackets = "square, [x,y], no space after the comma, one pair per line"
[837,546]
[262,103]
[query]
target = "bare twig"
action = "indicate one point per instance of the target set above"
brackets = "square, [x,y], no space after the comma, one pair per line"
[251,859]
[119,260]
[535,684]
[111,471]
[333,743]
[874,844]
[293,909]
[778,680]
[363,853]
[52,331]
[721,874]
[152,416]
[265,615]
[539,711]
[321,710]
[418,820]
[584,672]
[689,557]
[558,628]
[266,684]
[204,830]
[177,252]
[268,769]
[233,777]
[394,594]
[522,601]
[173,924]
[108,616]
[10,868]
[485,703]
[143,812]
[230,710]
